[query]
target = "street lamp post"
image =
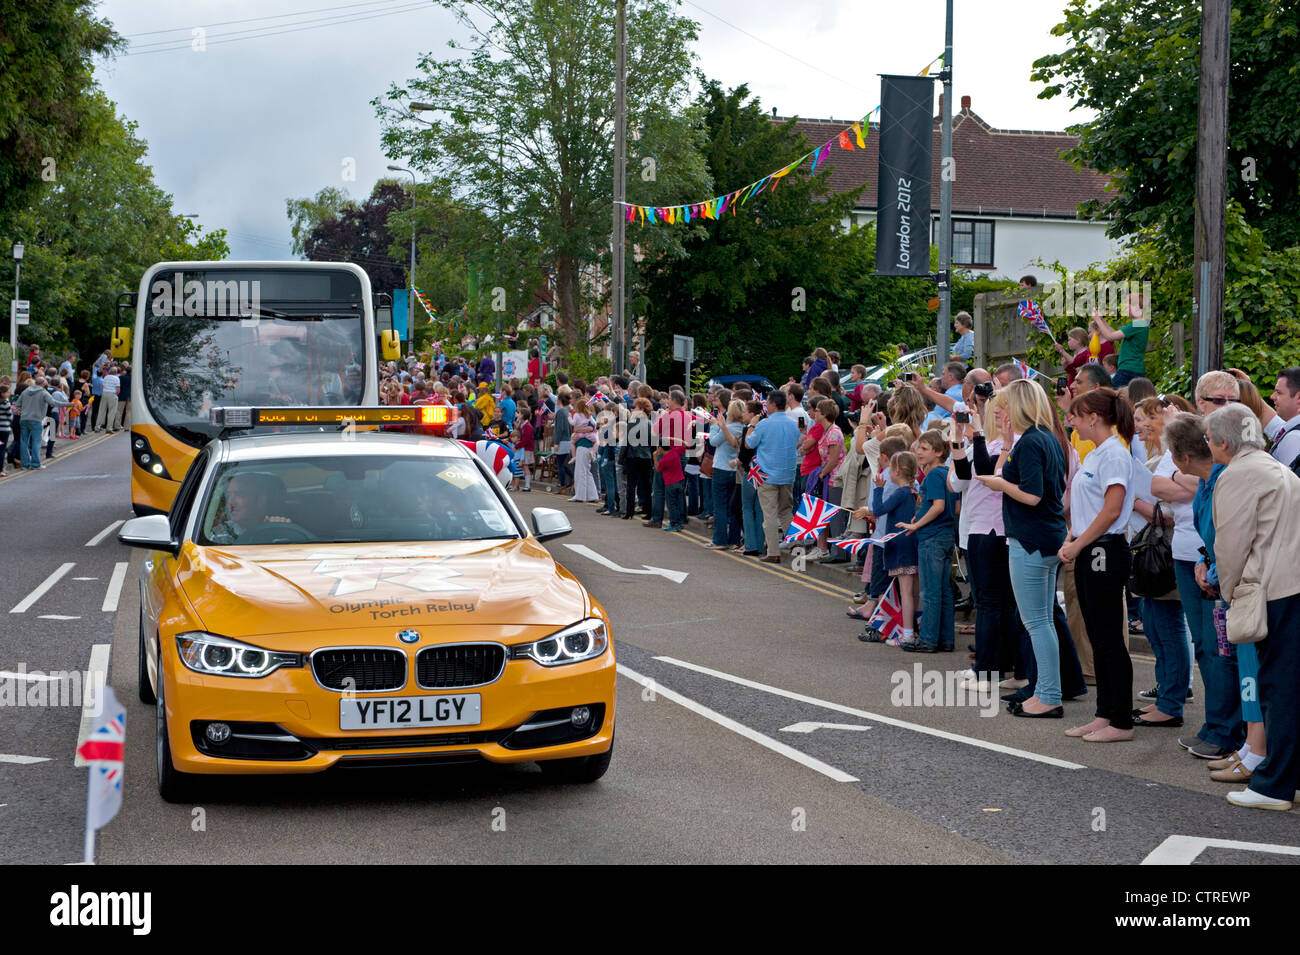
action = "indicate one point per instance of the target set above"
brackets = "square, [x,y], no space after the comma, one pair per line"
[410,293]
[13,321]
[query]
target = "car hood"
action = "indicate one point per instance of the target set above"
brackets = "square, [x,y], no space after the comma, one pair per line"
[242,591]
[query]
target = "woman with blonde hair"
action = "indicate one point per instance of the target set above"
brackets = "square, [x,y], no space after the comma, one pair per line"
[1032,485]
[724,435]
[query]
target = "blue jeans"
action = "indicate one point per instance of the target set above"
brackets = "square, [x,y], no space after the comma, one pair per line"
[934,567]
[657,499]
[29,442]
[1222,725]
[726,527]
[675,498]
[751,517]
[706,496]
[609,482]
[561,470]
[1033,579]
[1166,631]
[692,494]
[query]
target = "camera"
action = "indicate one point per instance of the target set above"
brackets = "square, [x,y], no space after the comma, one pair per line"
[1061,385]
[961,417]
[984,389]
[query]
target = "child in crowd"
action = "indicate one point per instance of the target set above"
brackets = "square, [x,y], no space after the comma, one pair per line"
[935,531]
[6,425]
[874,572]
[897,506]
[526,442]
[71,416]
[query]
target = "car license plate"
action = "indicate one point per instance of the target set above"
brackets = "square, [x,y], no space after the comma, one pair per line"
[397,712]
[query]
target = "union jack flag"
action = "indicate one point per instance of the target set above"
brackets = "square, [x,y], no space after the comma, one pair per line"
[1030,309]
[881,541]
[888,618]
[811,518]
[851,544]
[105,750]
[756,476]
[1025,370]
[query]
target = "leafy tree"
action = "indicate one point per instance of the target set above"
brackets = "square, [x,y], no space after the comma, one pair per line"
[306,214]
[524,126]
[1137,64]
[761,288]
[93,234]
[47,53]
[358,233]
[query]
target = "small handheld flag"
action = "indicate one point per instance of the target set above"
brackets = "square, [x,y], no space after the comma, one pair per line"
[105,752]
[811,518]
[756,477]
[888,618]
[1031,310]
[851,544]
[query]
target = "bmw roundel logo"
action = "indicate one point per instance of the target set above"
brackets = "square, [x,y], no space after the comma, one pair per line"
[409,636]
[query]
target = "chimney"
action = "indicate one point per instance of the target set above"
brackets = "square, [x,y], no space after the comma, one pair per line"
[965,103]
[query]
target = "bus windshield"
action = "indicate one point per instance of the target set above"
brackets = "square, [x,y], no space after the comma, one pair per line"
[271,353]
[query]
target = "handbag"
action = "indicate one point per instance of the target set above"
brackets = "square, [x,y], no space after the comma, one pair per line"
[1152,571]
[1247,614]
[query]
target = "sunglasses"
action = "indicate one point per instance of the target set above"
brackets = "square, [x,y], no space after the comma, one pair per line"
[1219,401]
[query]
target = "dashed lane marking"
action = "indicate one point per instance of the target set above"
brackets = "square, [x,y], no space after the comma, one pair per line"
[57,616]
[22,760]
[96,678]
[104,533]
[114,593]
[739,728]
[863,714]
[41,589]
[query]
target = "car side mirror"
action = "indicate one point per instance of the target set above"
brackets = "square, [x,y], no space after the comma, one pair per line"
[153,532]
[548,523]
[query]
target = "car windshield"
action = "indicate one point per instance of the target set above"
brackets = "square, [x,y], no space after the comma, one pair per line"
[352,499]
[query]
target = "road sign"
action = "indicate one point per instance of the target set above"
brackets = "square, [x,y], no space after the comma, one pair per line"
[683,348]
[20,311]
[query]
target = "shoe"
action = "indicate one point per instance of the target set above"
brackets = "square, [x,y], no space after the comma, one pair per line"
[673,528]
[1190,695]
[831,559]
[651,524]
[736,548]
[917,646]
[1187,742]
[627,517]
[1011,683]
[1237,773]
[1209,751]
[871,635]
[1250,799]
[855,570]
[975,686]
[771,560]
[963,606]
[1224,763]
[1143,721]
[712,546]
[1055,713]
[1150,694]
[1017,697]
[753,553]
[1098,738]
[603,510]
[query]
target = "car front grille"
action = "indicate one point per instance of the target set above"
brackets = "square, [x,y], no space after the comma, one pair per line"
[360,670]
[464,664]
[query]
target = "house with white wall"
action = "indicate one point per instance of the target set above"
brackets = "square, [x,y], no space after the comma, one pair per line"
[1014,199]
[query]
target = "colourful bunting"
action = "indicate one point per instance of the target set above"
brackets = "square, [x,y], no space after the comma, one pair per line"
[844,140]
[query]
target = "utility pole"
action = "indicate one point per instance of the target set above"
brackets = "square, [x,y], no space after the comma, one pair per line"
[941,337]
[1211,184]
[617,296]
[410,292]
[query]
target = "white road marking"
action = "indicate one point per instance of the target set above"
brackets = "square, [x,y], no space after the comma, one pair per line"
[809,727]
[114,592]
[863,714]
[740,728]
[1183,850]
[82,477]
[104,533]
[22,760]
[676,576]
[26,603]
[11,675]
[96,677]
[85,578]
[57,616]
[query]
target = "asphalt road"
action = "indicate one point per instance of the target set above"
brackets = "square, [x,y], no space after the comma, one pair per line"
[728,679]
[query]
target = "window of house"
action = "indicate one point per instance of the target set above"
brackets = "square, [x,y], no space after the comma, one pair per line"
[972,242]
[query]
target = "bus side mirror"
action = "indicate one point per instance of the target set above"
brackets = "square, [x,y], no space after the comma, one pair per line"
[121,343]
[390,346]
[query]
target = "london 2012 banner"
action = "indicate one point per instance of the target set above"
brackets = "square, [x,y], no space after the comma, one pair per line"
[903,203]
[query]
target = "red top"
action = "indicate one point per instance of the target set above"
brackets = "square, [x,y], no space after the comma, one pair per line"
[813,459]
[526,436]
[1084,356]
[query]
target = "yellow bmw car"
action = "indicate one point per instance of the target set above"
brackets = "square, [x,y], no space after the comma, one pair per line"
[355,599]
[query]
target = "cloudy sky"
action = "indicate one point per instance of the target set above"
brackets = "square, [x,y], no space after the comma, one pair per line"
[277,102]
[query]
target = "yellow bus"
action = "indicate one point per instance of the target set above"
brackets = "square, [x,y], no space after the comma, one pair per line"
[208,334]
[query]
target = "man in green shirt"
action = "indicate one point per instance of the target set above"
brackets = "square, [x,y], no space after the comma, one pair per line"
[1132,339]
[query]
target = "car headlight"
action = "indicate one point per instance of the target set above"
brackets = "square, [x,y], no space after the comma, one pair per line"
[220,656]
[582,641]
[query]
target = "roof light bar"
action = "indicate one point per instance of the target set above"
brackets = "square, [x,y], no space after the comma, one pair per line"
[242,418]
